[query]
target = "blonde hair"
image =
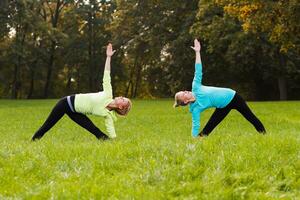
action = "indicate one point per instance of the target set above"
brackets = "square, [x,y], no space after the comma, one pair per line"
[125,109]
[178,101]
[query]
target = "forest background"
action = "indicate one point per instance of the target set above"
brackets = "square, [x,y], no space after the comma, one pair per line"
[52,48]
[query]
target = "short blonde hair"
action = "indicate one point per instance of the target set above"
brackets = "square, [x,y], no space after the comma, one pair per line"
[126,109]
[178,101]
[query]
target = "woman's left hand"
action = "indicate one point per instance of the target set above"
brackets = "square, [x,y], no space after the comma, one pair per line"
[197,46]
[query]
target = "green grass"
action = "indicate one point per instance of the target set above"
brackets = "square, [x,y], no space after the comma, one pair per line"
[153,157]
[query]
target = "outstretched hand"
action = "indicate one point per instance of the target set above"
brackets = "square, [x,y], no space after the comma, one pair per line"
[196,46]
[109,50]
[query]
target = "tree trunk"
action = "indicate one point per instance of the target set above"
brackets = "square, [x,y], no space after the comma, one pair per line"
[90,51]
[282,88]
[14,90]
[15,83]
[49,70]
[54,21]
[260,92]
[132,89]
[131,82]
[20,45]
[138,80]
[282,84]
[3,3]
[32,76]
[94,61]
[31,86]
[127,89]
[32,67]
[68,85]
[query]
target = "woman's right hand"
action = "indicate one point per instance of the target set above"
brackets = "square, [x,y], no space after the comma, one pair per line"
[109,50]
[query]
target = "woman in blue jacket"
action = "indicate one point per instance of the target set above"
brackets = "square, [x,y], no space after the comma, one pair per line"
[203,97]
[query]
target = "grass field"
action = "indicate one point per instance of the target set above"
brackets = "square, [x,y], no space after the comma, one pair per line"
[153,157]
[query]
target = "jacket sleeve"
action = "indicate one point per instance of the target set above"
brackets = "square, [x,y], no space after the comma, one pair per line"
[197,81]
[195,123]
[107,88]
[110,128]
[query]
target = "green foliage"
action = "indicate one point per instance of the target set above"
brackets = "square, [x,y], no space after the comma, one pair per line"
[249,56]
[153,157]
[278,19]
[51,48]
[158,42]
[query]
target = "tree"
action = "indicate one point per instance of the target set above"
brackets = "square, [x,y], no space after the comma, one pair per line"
[250,53]
[279,20]
[152,33]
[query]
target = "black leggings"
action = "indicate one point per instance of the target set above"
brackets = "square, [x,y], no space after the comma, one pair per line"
[240,105]
[62,107]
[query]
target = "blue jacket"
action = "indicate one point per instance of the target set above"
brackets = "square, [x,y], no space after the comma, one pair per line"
[206,97]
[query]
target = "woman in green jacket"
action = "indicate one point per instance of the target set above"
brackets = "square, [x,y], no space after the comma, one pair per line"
[100,104]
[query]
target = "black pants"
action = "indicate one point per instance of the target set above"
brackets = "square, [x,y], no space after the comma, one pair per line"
[240,105]
[62,108]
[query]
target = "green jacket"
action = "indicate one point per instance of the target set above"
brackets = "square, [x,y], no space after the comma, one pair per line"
[95,104]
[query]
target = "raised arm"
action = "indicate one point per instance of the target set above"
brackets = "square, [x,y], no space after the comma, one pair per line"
[109,53]
[198,66]
[197,48]
[106,76]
